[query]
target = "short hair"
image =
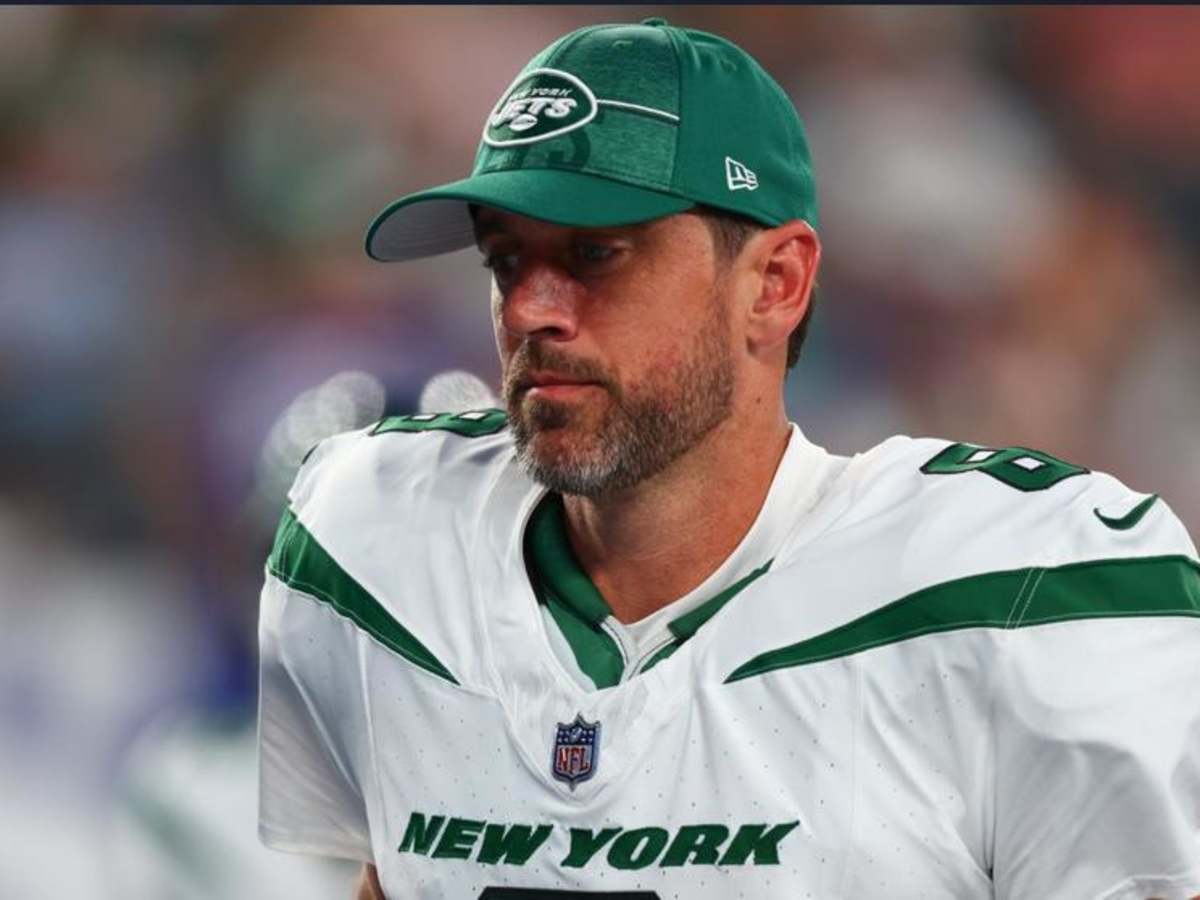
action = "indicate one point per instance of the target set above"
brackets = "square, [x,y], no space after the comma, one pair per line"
[730,231]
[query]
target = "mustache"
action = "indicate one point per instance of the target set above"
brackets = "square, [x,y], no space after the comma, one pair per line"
[530,357]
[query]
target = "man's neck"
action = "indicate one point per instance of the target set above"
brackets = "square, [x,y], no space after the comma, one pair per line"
[652,544]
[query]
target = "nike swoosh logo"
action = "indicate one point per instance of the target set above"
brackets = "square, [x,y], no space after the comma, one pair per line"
[1131,518]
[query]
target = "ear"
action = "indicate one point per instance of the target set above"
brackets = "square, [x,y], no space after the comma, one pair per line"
[786,259]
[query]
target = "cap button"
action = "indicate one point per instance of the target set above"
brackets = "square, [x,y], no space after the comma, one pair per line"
[655,21]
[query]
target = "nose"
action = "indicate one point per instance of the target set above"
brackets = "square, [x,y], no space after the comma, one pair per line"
[543,302]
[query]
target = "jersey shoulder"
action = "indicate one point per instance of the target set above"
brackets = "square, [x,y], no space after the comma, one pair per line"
[432,464]
[388,527]
[929,538]
[979,508]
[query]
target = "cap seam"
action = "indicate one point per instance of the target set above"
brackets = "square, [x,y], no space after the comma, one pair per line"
[572,39]
[674,36]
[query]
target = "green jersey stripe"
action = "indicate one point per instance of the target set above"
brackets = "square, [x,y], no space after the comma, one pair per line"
[689,623]
[1146,586]
[303,564]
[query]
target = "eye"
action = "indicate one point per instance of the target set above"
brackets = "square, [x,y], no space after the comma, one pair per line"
[593,253]
[501,264]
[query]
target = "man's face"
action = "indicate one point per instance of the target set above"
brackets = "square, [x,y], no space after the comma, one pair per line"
[615,344]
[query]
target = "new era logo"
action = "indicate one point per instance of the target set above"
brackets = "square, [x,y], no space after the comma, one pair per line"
[738,177]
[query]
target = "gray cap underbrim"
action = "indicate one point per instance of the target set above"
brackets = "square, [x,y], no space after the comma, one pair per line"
[438,220]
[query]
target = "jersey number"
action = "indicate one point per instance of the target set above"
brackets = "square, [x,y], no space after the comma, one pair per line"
[1025,470]
[476,423]
[508,893]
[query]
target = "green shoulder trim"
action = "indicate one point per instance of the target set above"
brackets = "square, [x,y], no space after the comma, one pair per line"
[302,564]
[1018,467]
[474,423]
[1145,586]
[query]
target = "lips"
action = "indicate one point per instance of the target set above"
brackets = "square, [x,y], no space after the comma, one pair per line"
[553,388]
[535,371]
[551,379]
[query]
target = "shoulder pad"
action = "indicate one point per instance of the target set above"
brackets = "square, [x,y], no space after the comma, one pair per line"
[958,506]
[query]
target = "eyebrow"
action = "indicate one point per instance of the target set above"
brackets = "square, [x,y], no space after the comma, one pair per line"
[485,223]
[487,228]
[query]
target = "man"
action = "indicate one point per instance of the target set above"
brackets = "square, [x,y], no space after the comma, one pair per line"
[637,637]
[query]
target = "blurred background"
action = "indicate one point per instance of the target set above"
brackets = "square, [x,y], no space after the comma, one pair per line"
[1011,218]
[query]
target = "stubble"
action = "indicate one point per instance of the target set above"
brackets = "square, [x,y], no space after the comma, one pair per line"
[644,427]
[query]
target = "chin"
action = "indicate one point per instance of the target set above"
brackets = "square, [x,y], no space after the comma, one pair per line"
[574,419]
[567,446]
[563,438]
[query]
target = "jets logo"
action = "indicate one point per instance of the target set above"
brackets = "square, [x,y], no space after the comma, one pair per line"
[540,104]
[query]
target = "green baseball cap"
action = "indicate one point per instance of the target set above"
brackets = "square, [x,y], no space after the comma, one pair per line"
[618,124]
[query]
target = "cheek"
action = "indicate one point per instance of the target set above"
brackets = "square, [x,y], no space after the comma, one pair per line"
[654,365]
[505,343]
[653,348]
[668,357]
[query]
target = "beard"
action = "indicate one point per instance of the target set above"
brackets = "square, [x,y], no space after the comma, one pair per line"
[637,431]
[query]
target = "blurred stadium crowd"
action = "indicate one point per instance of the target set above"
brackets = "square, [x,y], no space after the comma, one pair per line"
[1011,214]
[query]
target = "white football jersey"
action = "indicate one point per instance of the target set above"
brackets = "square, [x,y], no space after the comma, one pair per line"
[931,670]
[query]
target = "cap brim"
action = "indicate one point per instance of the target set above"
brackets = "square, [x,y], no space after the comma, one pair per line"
[437,220]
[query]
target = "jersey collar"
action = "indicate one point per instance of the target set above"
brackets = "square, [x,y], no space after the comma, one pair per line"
[583,616]
[555,571]
[558,577]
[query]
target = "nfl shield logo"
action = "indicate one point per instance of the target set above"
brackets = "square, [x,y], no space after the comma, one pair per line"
[576,751]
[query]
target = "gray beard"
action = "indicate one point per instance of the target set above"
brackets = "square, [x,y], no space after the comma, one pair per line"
[645,429]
